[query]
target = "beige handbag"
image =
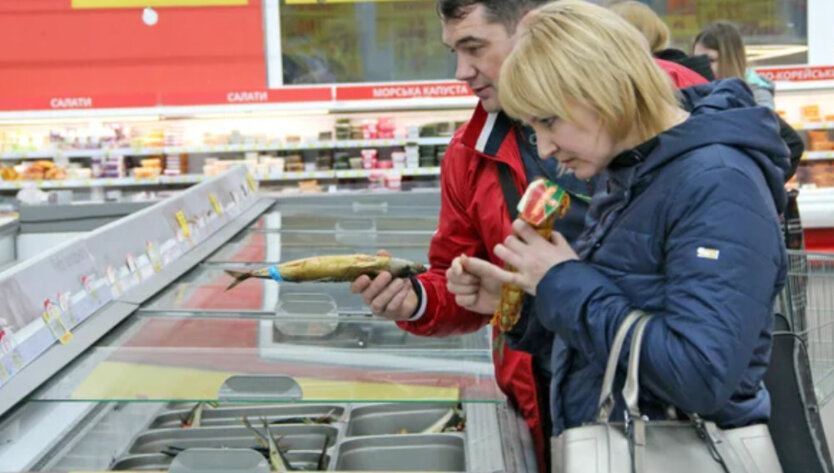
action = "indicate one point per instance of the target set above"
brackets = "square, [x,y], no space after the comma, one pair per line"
[639,445]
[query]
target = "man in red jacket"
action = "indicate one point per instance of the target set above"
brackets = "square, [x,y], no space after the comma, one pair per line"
[473,214]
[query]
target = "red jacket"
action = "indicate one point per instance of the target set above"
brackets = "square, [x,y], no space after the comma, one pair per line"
[473,219]
[682,76]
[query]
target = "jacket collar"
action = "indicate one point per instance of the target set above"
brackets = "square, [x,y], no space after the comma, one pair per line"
[492,136]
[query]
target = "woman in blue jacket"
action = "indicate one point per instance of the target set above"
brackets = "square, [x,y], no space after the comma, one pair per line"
[688,230]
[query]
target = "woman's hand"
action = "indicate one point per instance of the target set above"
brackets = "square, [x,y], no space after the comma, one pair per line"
[475,284]
[531,255]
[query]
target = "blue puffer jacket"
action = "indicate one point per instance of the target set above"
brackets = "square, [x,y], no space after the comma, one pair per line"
[688,232]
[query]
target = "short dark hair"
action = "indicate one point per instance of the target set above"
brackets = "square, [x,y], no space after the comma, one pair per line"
[507,12]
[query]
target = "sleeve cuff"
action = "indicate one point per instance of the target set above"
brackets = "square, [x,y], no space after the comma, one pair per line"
[421,298]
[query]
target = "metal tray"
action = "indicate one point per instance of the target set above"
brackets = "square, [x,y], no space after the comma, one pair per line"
[231,416]
[293,437]
[300,460]
[442,452]
[384,419]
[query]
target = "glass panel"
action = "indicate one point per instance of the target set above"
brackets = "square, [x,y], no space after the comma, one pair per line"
[273,247]
[370,41]
[353,333]
[204,289]
[274,374]
[775,31]
[345,219]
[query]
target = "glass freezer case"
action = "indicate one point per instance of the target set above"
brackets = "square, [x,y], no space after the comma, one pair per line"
[191,377]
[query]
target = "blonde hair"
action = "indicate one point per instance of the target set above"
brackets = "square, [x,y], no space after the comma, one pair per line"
[646,21]
[725,38]
[573,52]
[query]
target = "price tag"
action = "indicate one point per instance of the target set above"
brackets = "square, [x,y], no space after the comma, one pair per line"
[250,181]
[52,317]
[87,283]
[64,304]
[146,270]
[180,216]
[215,205]
[8,347]
[153,254]
[131,263]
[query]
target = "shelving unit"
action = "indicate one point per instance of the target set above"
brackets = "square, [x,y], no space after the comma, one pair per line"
[237,148]
[196,178]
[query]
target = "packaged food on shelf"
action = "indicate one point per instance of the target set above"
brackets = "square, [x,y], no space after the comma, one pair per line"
[369,158]
[311,186]
[355,162]
[108,166]
[324,161]
[818,140]
[369,130]
[43,171]
[293,163]
[386,127]
[398,159]
[394,181]
[810,113]
[9,173]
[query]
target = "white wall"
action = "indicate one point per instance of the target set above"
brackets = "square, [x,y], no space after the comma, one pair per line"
[820,32]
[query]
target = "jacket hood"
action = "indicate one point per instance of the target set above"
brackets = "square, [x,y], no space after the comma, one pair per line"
[699,64]
[722,113]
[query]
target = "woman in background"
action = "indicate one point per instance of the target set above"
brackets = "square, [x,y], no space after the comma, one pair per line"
[657,34]
[721,42]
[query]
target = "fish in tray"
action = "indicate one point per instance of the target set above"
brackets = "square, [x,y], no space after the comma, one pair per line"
[334,268]
[277,460]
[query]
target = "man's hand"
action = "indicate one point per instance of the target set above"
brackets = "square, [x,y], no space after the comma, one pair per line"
[475,284]
[387,297]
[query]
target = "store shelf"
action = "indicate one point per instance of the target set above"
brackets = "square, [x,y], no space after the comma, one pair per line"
[195,178]
[818,155]
[349,174]
[813,126]
[120,182]
[274,146]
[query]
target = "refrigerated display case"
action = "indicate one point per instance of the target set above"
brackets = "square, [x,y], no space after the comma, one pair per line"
[162,366]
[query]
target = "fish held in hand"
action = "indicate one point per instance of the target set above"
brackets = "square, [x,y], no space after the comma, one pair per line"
[335,268]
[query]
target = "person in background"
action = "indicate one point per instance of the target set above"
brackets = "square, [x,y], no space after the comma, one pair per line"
[721,42]
[688,230]
[642,17]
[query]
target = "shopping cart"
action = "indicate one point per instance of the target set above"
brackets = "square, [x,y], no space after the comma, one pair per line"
[808,303]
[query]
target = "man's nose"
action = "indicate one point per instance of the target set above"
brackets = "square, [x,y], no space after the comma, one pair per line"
[464,70]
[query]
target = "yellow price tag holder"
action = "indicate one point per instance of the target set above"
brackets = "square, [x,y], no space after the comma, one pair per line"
[186,231]
[52,318]
[215,204]
[251,182]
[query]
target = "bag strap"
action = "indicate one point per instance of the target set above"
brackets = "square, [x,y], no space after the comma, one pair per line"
[606,396]
[511,195]
[636,425]
[631,390]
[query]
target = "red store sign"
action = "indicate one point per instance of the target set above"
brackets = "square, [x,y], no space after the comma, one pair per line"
[284,95]
[797,74]
[403,91]
[77,102]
